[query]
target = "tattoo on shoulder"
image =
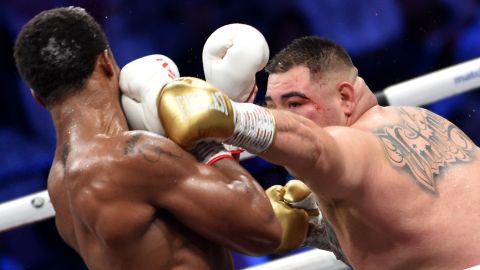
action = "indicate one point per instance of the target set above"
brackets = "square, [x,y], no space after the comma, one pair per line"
[131,143]
[423,144]
[65,152]
[148,148]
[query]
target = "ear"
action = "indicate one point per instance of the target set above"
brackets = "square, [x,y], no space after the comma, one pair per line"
[347,96]
[107,63]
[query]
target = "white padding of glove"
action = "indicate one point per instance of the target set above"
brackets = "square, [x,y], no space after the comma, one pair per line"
[231,56]
[140,83]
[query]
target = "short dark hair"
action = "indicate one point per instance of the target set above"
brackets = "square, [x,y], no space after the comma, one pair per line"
[316,53]
[56,51]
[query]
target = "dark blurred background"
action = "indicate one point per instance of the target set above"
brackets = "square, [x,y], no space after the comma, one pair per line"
[389,40]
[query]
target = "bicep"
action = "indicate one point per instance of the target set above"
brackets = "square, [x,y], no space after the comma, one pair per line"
[346,161]
[214,204]
[222,204]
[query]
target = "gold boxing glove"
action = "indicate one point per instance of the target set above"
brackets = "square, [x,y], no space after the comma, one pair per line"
[191,110]
[287,202]
[295,207]
[294,221]
[299,195]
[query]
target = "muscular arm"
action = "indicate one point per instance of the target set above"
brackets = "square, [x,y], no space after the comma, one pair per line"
[223,204]
[331,160]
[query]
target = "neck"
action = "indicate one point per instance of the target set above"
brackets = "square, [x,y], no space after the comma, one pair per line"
[94,110]
[365,100]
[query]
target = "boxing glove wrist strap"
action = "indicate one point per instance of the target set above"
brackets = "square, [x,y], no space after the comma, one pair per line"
[310,205]
[209,152]
[254,127]
[234,150]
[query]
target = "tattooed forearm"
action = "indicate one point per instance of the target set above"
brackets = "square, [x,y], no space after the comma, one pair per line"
[424,143]
[322,236]
[150,149]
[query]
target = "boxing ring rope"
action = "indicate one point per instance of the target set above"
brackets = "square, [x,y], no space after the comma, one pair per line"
[433,86]
[25,210]
[418,91]
[315,259]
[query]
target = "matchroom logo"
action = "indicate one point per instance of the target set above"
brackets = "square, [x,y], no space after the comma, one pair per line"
[467,77]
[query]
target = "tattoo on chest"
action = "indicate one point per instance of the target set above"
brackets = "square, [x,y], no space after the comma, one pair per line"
[423,144]
[150,149]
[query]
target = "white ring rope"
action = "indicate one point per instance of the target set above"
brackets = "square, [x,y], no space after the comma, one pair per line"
[315,259]
[415,92]
[25,210]
[37,207]
[433,86]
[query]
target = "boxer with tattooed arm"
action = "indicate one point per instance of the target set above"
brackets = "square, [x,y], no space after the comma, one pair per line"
[399,185]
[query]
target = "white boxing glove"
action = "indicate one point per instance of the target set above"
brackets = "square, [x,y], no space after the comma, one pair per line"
[231,56]
[140,83]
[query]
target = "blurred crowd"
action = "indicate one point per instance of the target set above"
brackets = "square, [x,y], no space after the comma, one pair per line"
[390,41]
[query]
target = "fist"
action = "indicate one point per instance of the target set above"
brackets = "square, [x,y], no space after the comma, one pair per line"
[299,195]
[294,221]
[140,83]
[231,56]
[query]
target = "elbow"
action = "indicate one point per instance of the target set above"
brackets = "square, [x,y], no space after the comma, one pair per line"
[272,240]
[265,240]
